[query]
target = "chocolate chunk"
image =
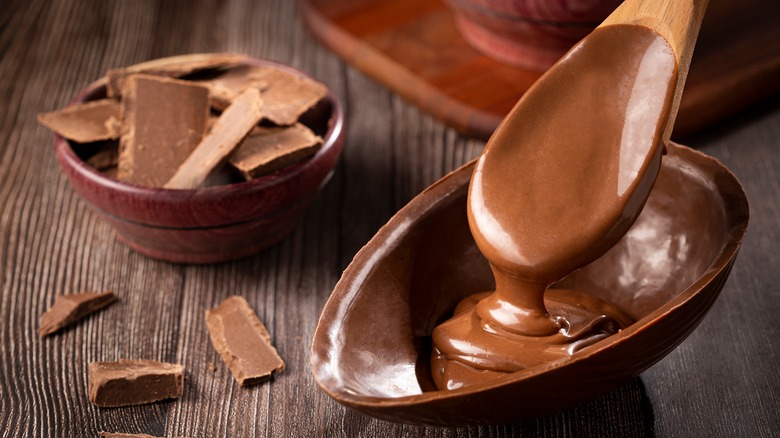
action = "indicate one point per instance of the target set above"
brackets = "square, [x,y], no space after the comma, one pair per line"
[243,341]
[110,172]
[124,435]
[70,308]
[225,88]
[173,67]
[105,156]
[285,95]
[232,126]
[164,119]
[288,96]
[85,122]
[133,382]
[265,150]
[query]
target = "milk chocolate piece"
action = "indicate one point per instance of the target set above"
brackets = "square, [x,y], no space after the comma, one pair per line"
[70,308]
[124,435]
[164,119]
[225,88]
[285,95]
[174,67]
[86,122]
[265,150]
[106,156]
[232,126]
[243,342]
[133,382]
[288,96]
[110,172]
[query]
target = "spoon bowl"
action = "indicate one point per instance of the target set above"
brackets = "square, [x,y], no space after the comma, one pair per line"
[371,350]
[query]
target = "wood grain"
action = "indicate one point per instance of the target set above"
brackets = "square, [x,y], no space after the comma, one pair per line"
[722,381]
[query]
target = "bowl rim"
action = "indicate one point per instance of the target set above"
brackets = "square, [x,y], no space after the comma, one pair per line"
[517,16]
[736,217]
[331,139]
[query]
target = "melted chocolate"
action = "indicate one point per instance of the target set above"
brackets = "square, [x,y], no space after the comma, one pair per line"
[559,183]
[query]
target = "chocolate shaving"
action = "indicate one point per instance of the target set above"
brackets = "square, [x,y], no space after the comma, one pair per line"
[85,122]
[70,308]
[164,120]
[243,342]
[269,149]
[133,382]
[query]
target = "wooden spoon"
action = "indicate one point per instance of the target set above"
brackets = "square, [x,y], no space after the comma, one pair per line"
[678,22]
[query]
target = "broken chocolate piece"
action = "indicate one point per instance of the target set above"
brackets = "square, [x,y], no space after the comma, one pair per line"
[133,382]
[173,67]
[243,341]
[124,435]
[233,125]
[285,96]
[70,308]
[288,96]
[164,120]
[86,122]
[105,156]
[265,150]
[110,172]
[225,88]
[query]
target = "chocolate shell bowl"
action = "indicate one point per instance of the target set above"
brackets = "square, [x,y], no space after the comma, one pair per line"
[371,350]
[528,33]
[216,223]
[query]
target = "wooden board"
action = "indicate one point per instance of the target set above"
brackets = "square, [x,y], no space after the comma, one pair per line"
[414,48]
[721,382]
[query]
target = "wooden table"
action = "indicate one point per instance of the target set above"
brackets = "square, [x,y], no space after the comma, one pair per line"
[722,381]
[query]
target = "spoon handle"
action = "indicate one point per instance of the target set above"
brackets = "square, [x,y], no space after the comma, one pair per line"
[678,22]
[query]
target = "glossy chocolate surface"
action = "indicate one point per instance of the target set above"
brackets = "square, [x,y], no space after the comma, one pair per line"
[559,183]
[372,346]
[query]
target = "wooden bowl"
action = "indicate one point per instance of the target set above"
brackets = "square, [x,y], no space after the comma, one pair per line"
[371,349]
[528,33]
[211,224]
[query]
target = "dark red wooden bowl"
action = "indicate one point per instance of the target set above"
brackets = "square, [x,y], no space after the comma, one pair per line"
[211,224]
[532,34]
[371,350]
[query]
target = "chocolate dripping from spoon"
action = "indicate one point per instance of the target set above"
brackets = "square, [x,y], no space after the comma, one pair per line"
[559,183]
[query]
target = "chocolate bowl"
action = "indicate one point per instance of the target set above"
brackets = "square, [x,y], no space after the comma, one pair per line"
[371,349]
[210,224]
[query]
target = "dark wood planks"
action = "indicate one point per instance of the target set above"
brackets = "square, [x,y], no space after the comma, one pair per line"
[51,244]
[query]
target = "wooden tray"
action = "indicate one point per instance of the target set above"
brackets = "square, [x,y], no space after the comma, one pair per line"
[414,48]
